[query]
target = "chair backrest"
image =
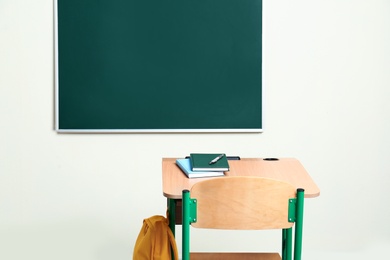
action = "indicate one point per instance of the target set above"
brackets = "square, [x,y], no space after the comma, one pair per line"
[244,203]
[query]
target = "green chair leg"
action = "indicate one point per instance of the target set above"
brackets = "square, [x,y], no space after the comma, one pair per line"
[186,226]
[299,225]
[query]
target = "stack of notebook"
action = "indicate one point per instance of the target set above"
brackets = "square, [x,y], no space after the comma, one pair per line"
[204,165]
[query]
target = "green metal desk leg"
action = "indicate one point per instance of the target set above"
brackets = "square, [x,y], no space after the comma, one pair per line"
[172,214]
[284,247]
[172,217]
[287,244]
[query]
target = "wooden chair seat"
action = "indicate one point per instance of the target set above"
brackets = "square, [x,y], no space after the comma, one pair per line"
[235,256]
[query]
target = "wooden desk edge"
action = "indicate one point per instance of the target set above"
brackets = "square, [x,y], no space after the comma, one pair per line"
[178,196]
[169,196]
[314,195]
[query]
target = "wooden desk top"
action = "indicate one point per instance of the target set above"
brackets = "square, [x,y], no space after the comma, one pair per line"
[285,169]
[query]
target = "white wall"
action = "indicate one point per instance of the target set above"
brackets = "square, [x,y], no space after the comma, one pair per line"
[326,94]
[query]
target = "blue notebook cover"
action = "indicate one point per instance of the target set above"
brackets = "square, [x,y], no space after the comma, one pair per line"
[185,166]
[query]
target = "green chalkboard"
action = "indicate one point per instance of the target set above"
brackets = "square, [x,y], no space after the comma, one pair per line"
[158,65]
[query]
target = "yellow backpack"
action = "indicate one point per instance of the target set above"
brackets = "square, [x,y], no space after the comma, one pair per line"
[155,240]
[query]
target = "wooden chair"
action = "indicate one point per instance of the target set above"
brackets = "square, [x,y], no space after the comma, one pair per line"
[244,203]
